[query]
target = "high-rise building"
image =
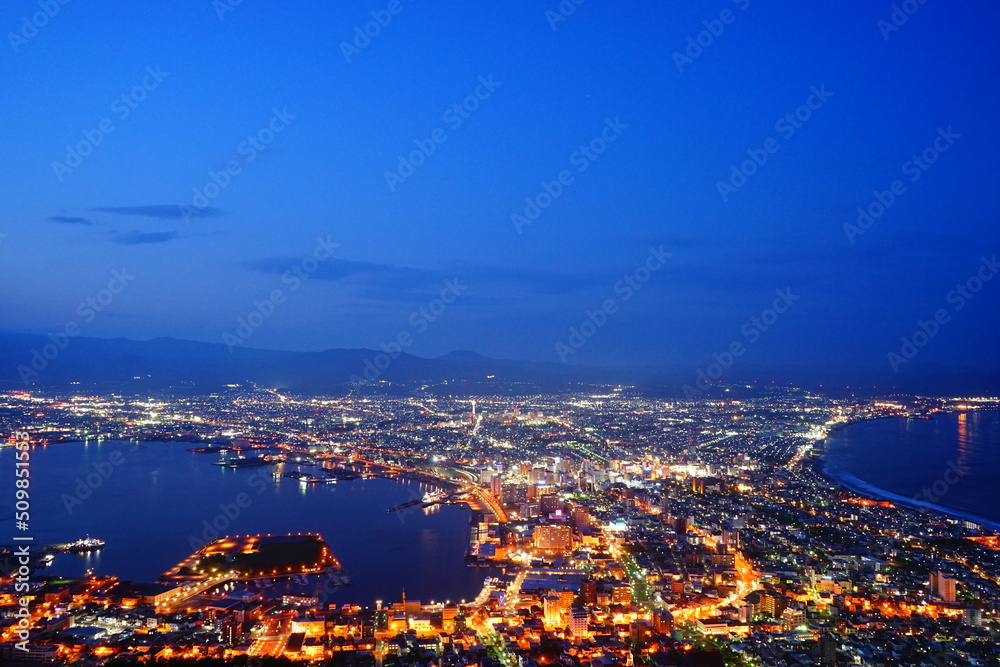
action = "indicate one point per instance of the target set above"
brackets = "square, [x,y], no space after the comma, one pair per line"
[549,503]
[553,538]
[946,587]
[663,621]
[972,616]
[528,510]
[578,622]
[943,587]
[536,491]
[773,604]
[826,650]
[621,594]
[588,591]
[496,488]
[552,610]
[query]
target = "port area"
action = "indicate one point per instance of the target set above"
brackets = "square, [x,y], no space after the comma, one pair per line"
[429,499]
[244,462]
[256,556]
[248,559]
[41,556]
[305,478]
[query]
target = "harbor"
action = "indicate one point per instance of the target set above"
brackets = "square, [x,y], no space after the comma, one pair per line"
[41,557]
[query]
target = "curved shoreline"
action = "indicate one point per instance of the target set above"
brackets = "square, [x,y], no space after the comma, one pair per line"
[863,488]
[446,548]
[830,471]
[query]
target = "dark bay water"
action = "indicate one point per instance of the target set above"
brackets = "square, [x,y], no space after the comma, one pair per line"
[150,501]
[951,461]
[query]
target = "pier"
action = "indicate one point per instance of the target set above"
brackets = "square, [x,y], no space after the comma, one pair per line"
[41,555]
[428,500]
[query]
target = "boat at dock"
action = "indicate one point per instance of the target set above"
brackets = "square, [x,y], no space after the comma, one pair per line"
[303,478]
[243,462]
[85,545]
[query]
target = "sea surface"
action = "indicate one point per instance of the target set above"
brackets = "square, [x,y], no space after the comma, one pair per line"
[950,462]
[154,503]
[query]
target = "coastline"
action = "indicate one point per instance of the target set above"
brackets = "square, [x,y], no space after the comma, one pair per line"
[433,546]
[832,473]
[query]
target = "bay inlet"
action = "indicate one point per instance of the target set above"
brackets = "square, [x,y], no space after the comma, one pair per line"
[948,462]
[155,503]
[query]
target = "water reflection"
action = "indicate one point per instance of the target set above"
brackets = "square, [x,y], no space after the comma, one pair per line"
[149,527]
[963,443]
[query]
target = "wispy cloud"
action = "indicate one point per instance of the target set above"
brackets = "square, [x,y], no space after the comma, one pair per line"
[135,237]
[162,211]
[69,220]
[386,279]
[353,271]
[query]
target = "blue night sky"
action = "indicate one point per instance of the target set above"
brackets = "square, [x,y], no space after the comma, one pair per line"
[345,115]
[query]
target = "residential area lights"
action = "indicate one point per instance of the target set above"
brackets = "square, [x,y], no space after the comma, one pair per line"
[630,529]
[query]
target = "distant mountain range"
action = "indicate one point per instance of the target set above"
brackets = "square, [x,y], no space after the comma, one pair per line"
[123,365]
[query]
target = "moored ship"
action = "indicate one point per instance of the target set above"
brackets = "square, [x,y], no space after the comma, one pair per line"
[85,545]
[243,462]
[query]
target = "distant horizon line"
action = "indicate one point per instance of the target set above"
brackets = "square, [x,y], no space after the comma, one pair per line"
[919,372]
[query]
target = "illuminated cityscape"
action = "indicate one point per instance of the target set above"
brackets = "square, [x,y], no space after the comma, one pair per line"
[382,333]
[622,530]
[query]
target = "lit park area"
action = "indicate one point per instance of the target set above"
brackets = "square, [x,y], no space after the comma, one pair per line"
[244,557]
